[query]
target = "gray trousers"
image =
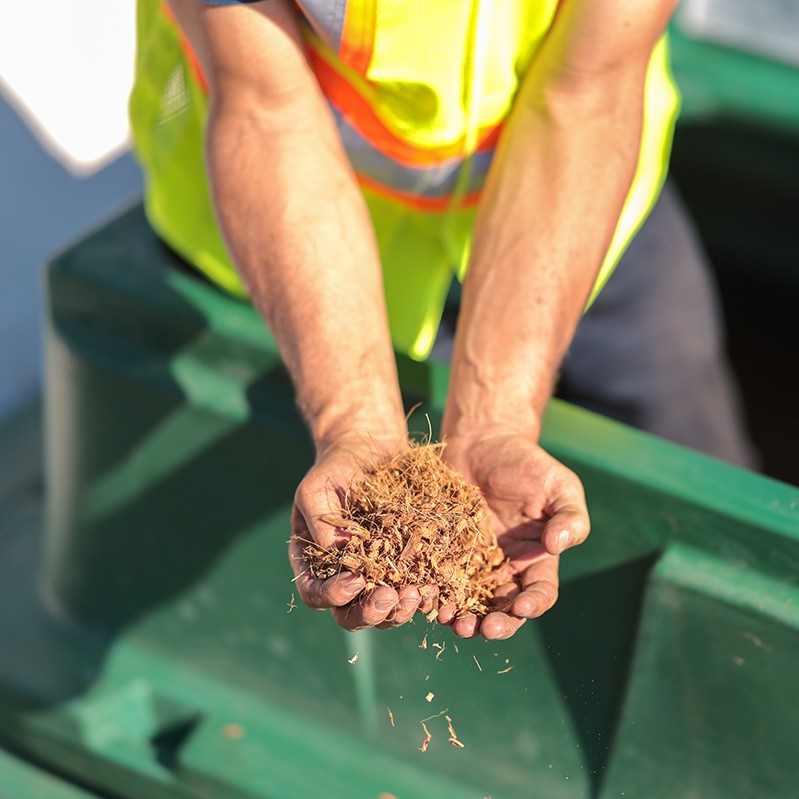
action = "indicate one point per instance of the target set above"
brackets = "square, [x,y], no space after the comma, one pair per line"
[650,350]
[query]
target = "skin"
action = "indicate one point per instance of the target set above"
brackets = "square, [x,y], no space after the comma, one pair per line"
[298,231]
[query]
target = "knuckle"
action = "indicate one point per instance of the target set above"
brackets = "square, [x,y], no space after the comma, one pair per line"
[303,496]
[345,618]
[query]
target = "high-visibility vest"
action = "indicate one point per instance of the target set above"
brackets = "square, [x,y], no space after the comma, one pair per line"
[419,89]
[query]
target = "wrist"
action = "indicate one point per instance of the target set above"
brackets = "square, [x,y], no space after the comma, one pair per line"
[356,420]
[465,430]
[482,403]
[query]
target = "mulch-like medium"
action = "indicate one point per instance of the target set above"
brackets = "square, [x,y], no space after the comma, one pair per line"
[413,520]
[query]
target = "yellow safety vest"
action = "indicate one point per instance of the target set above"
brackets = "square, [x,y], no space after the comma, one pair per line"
[419,89]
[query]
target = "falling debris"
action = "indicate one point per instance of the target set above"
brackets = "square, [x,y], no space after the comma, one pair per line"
[390,715]
[353,660]
[457,651]
[235,732]
[427,738]
[426,677]
[477,662]
[291,605]
[505,671]
[441,649]
[423,645]
[430,696]
[758,642]
[453,736]
[437,715]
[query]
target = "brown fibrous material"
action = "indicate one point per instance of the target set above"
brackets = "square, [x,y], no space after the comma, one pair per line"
[427,738]
[453,736]
[412,519]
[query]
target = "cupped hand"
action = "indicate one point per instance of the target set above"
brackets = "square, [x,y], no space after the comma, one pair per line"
[537,510]
[319,496]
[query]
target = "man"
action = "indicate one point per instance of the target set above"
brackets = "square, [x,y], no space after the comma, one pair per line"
[526,141]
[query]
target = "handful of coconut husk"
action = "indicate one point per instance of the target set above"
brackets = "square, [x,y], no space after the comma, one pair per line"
[414,520]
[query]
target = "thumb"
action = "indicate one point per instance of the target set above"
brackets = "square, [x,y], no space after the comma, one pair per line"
[567,527]
[318,516]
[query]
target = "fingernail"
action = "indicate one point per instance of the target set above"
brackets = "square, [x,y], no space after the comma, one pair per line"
[563,540]
[384,605]
[525,613]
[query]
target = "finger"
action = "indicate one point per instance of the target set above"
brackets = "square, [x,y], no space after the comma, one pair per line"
[522,555]
[367,611]
[407,604]
[429,594]
[567,527]
[312,505]
[539,589]
[446,614]
[504,596]
[466,626]
[322,594]
[498,626]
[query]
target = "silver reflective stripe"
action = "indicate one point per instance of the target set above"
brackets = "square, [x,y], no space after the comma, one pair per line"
[326,17]
[437,180]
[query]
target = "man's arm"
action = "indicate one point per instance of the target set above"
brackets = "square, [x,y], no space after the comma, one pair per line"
[292,215]
[550,208]
[554,194]
[299,233]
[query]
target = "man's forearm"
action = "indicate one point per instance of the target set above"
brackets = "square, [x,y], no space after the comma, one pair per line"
[293,217]
[550,208]
[301,237]
[548,216]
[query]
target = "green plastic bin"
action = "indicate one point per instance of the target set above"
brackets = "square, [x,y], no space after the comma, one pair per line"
[150,643]
[22,780]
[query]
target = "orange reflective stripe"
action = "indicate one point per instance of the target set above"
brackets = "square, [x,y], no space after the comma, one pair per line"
[358,35]
[357,109]
[360,113]
[420,201]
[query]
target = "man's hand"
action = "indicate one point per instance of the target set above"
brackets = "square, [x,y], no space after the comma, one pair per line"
[537,510]
[320,494]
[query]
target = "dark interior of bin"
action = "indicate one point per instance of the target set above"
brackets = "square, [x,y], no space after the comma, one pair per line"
[740,181]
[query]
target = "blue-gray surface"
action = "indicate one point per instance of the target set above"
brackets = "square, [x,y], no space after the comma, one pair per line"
[42,209]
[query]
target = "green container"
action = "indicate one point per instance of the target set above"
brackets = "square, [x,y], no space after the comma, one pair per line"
[152,647]
[22,780]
